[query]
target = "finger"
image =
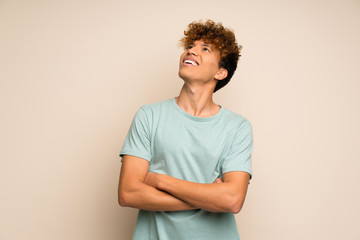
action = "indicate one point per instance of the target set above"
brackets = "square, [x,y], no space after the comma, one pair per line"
[218,180]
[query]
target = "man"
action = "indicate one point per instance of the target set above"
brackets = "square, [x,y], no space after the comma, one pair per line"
[186,161]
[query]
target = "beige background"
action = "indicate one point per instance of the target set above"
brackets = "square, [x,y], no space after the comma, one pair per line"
[74,72]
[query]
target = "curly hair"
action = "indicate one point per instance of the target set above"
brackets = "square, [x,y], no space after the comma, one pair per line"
[222,38]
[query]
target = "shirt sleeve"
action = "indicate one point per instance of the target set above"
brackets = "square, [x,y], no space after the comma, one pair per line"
[239,156]
[137,141]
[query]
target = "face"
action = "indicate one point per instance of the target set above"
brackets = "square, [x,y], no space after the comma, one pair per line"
[200,62]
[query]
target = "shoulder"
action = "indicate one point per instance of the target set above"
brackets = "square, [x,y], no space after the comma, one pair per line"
[235,120]
[153,108]
[156,105]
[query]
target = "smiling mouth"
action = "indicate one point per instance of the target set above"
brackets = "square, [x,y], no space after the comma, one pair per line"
[190,62]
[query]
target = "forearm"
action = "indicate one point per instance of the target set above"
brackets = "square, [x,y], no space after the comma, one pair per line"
[213,197]
[148,198]
[133,192]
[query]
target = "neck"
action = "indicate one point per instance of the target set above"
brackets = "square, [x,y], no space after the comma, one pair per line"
[197,101]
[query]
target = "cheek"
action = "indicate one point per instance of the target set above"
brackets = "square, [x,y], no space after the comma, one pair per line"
[214,66]
[182,55]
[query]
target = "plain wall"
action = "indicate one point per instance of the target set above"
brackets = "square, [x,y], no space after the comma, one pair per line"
[73,73]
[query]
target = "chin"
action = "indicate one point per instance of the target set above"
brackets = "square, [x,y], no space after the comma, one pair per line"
[182,75]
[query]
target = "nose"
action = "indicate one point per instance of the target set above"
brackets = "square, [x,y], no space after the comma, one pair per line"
[192,51]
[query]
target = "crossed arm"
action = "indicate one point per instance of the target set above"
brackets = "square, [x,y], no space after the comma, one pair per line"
[141,189]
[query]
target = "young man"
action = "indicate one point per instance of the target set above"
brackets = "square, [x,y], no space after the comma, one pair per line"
[186,161]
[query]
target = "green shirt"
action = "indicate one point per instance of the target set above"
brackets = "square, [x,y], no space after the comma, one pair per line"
[193,149]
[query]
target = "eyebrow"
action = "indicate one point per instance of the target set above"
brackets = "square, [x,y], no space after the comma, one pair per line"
[211,47]
[204,45]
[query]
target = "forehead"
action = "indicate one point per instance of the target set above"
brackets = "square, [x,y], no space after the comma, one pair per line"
[203,43]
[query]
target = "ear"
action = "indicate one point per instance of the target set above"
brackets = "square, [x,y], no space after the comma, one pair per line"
[221,74]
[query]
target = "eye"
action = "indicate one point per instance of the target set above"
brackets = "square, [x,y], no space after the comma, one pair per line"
[206,49]
[189,47]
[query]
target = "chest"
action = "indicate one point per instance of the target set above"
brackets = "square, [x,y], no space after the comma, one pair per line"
[192,152]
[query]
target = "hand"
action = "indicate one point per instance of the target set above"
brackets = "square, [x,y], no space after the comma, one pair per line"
[151,179]
[218,180]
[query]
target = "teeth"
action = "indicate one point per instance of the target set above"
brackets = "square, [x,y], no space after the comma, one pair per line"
[190,62]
